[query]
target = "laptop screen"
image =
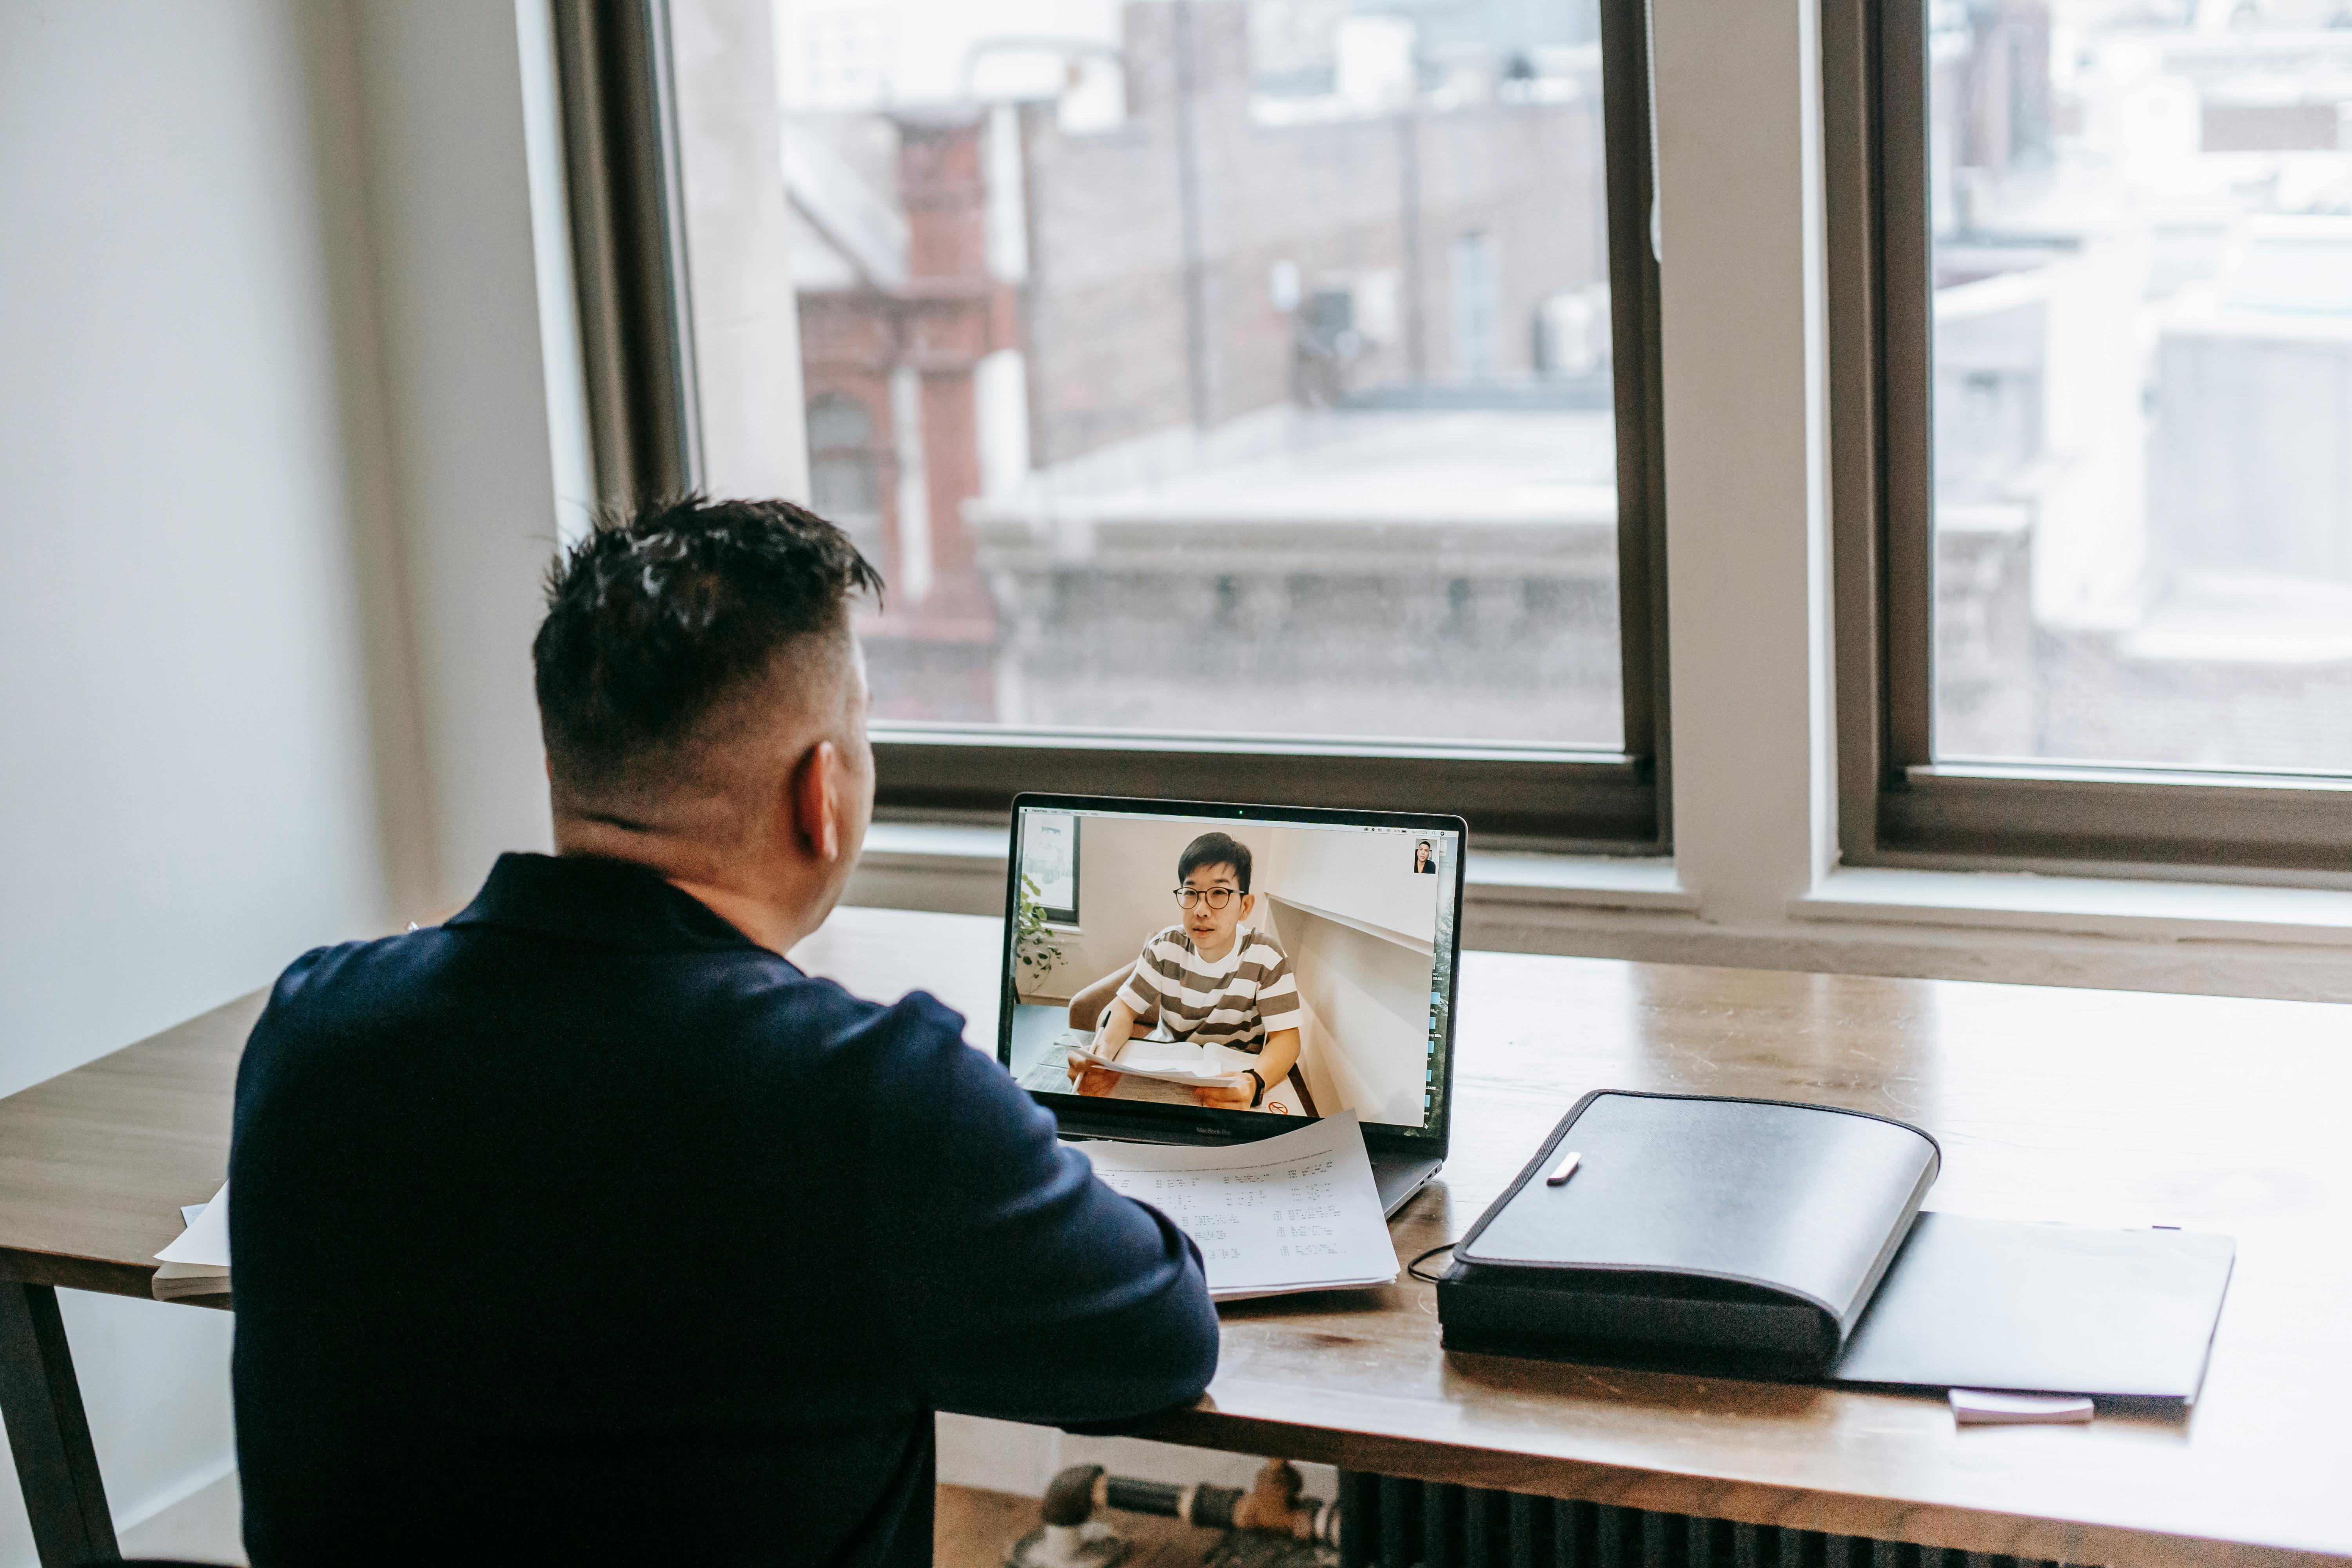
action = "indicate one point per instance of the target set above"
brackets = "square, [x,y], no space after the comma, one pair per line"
[1213,967]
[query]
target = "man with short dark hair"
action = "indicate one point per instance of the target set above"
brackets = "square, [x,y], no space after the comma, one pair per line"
[586,1229]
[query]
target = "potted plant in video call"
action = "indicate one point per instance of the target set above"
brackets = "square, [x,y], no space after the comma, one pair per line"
[1034,948]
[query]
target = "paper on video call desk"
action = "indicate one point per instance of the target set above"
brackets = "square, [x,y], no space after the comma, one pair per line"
[1050,1075]
[1156,1057]
[2083,1106]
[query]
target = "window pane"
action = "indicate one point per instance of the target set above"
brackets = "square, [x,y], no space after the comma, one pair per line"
[1211,365]
[2142,215]
[1049,862]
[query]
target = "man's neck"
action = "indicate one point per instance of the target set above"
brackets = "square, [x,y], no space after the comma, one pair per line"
[769,917]
[1219,956]
[761,921]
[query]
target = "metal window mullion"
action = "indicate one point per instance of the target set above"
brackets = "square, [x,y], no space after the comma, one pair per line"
[1857,452]
[1629,158]
[1904,292]
[622,186]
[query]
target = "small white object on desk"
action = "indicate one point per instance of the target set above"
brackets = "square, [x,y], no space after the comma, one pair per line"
[1985,1407]
[1565,1169]
[1295,1212]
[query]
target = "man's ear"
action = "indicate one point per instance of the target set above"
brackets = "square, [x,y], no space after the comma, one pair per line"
[1249,903]
[816,802]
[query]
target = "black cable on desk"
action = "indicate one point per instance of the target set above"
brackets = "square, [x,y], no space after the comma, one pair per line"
[1414,1268]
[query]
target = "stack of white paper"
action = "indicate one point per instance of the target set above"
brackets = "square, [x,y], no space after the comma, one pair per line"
[1297,1212]
[197,1264]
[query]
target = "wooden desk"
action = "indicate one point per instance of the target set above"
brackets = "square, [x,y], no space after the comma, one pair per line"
[2050,1104]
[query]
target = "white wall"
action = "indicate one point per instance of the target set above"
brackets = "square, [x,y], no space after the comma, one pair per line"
[188,788]
[1364,1042]
[1356,876]
[449,241]
[1359,926]
[275,494]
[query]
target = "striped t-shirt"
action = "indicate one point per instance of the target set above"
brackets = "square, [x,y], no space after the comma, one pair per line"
[1233,1002]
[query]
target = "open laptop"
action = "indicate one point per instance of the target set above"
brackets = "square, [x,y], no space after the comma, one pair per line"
[1361,909]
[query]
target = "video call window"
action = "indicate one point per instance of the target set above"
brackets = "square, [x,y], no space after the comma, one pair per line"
[1341,934]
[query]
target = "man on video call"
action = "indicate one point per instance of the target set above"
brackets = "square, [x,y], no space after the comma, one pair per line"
[1211,978]
[585,1227]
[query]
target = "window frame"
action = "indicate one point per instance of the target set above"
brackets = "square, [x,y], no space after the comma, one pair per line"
[628,243]
[1899,806]
[620,192]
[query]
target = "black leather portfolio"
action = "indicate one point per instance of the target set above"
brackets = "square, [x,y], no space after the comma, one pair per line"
[1744,1232]
[1768,1240]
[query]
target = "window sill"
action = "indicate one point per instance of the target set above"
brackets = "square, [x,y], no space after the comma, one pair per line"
[1588,882]
[976,855]
[973,858]
[929,845]
[2218,938]
[2148,910]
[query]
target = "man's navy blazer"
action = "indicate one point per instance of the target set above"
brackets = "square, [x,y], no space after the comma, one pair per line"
[582,1229]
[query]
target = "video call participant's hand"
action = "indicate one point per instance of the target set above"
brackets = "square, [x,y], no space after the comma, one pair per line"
[1220,1097]
[1089,1078]
[1236,1096]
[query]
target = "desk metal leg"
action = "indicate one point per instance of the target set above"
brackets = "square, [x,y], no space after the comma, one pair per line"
[49,1433]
